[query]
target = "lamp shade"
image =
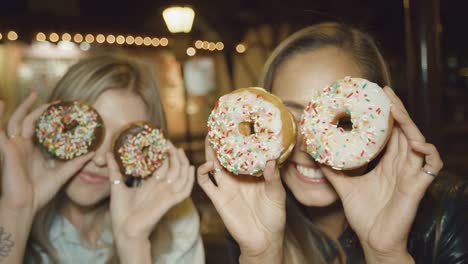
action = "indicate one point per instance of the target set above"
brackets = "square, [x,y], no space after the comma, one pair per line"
[179,19]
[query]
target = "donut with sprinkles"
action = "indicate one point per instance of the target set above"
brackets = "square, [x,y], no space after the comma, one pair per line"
[140,149]
[347,124]
[249,127]
[69,129]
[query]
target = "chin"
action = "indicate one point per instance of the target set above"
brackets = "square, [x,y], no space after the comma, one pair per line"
[313,192]
[86,195]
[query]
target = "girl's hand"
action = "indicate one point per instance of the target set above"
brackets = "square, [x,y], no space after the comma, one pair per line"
[253,209]
[28,180]
[136,211]
[381,205]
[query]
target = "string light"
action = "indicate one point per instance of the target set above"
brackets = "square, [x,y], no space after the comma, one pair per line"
[12,35]
[212,46]
[138,41]
[89,38]
[164,42]
[241,48]
[155,42]
[130,40]
[40,36]
[110,39]
[191,51]
[78,38]
[66,37]
[147,41]
[100,38]
[198,44]
[205,45]
[120,39]
[53,37]
[84,46]
[219,46]
[1,36]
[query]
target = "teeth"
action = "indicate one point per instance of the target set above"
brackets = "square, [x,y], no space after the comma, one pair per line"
[309,172]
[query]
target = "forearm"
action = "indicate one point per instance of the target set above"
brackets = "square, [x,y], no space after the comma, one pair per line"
[15,226]
[134,251]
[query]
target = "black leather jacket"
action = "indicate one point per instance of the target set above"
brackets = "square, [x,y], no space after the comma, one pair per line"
[439,234]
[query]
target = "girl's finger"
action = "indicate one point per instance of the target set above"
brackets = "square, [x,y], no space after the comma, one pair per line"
[392,147]
[115,177]
[434,163]
[273,185]
[29,122]
[407,125]
[188,186]
[174,164]
[340,181]
[184,166]
[204,180]
[16,119]
[410,133]
[70,168]
[394,98]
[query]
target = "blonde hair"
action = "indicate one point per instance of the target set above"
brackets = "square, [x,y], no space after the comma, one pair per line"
[86,81]
[304,242]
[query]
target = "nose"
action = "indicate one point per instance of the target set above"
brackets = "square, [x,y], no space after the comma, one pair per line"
[99,158]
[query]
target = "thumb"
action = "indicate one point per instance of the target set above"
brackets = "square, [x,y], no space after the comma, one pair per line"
[273,186]
[70,168]
[340,181]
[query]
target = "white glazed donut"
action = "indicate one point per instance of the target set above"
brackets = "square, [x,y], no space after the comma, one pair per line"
[249,127]
[367,107]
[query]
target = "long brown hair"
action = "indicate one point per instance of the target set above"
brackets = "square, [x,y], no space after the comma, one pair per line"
[304,242]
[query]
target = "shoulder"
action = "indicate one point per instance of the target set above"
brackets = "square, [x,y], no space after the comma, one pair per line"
[440,230]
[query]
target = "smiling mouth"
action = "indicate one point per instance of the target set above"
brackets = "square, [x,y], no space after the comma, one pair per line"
[308,174]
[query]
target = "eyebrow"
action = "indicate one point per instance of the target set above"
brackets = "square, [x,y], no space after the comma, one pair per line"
[294,105]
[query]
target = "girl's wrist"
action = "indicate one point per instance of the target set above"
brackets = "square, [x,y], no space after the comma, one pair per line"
[271,255]
[388,257]
[133,250]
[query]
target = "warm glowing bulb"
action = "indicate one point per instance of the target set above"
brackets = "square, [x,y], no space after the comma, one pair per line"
[147,41]
[198,44]
[179,19]
[78,38]
[53,37]
[138,41]
[164,42]
[191,51]
[155,42]
[241,48]
[12,35]
[120,39]
[89,38]
[211,46]
[66,37]
[100,38]
[40,36]
[205,44]
[110,39]
[1,36]
[130,40]
[219,46]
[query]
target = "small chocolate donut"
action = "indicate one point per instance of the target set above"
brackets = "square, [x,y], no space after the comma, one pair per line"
[69,129]
[140,149]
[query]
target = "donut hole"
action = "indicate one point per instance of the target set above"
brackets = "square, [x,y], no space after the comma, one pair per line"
[71,125]
[145,150]
[246,128]
[343,120]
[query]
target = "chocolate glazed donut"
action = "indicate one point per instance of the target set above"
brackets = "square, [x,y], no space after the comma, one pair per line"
[140,149]
[69,129]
